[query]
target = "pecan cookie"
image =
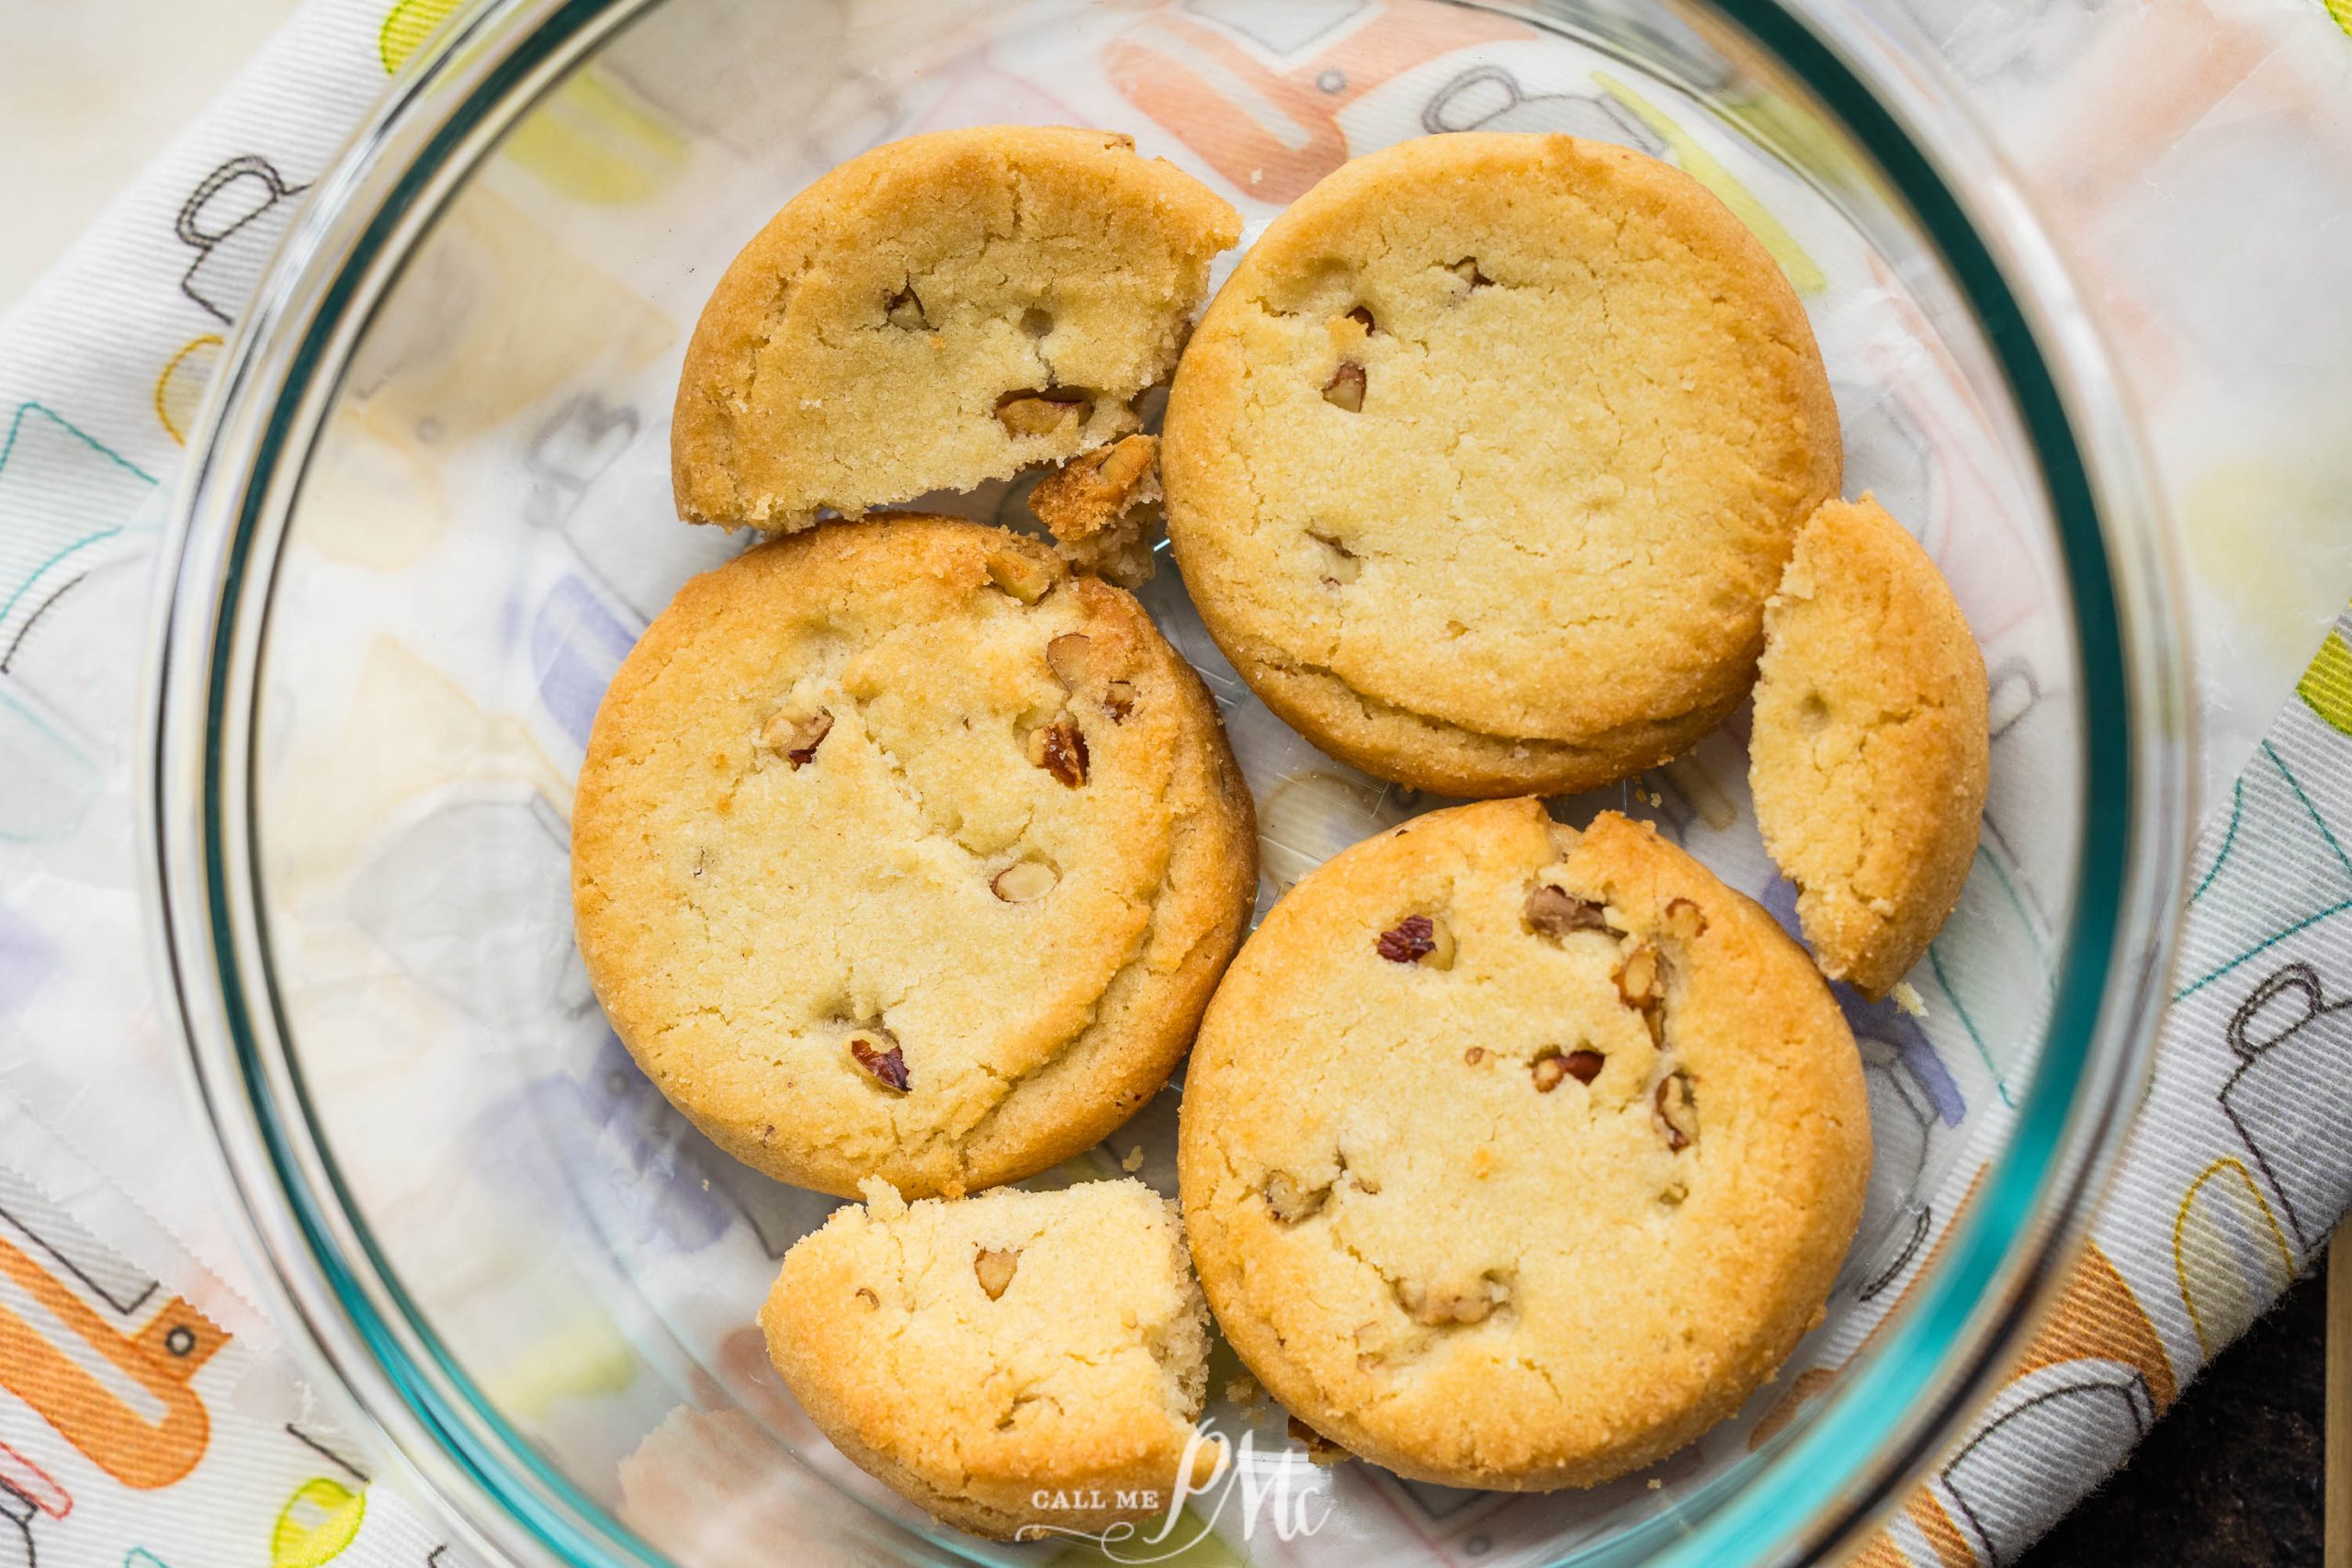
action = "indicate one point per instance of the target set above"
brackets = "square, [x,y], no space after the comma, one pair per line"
[937,312]
[1483,463]
[899,851]
[1017,1362]
[1517,1157]
[1869,758]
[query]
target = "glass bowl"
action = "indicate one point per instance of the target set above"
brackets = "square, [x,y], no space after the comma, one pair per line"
[430,511]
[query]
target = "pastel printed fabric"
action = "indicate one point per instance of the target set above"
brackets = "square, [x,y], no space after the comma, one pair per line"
[147,1416]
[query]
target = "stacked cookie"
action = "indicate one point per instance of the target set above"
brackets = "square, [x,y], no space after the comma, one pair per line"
[910,858]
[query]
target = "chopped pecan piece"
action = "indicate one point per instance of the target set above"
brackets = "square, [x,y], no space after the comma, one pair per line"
[1119,700]
[1409,940]
[1044,413]
[1340,564]
[1060,747]
[797,736]
[889,1067]
[1685,920]
[1434,1306]
[995,1269]
[1066,656]
[1466,270]
[1548,1071]
[1555,912]
[1345,389]
[1024,880]
[905,310]
[1585,1065]
[1637,976]
[1674,1112]
[1290,1203]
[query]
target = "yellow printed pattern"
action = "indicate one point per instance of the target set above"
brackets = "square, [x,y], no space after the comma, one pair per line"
[2326,686]
[317,1523]
[407,26]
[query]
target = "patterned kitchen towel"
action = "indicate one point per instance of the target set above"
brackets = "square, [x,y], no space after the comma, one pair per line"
[151,1419]
[2189,157]
[2236,1172]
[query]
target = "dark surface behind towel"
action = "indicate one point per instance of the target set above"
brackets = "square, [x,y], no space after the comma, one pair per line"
[2231,1476]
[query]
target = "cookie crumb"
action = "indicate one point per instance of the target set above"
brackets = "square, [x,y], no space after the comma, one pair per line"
[1320,1448]
[1655,1483]
[1102,508]
[1907,997]
[1244,1390]
[1134,1162]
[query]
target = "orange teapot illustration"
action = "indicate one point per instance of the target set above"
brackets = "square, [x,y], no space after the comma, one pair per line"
[135,1446]
[1259,95]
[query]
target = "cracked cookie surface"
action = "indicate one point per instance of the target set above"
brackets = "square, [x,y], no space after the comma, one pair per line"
[1482,464]
[899,851]
[937,312]
[1517,1157]
[972,1354]
[1869,754]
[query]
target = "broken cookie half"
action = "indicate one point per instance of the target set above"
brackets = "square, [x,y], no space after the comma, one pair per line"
[938,312]
[1869,756]
[1018,1364]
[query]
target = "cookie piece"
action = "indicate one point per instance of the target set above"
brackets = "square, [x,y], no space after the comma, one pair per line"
[1869,756]
[1101,508]
[977,1356]
[937,312]
[1482,464]
[899,851]
[1517,1157]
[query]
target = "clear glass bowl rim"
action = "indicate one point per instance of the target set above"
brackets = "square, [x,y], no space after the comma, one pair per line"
[368,1350]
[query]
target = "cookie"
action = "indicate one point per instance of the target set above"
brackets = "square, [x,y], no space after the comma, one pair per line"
[1016,1364]
[937,312]
[1103,507]
[1517,1157]
[899,851]
[1484,461]
[1869,758]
